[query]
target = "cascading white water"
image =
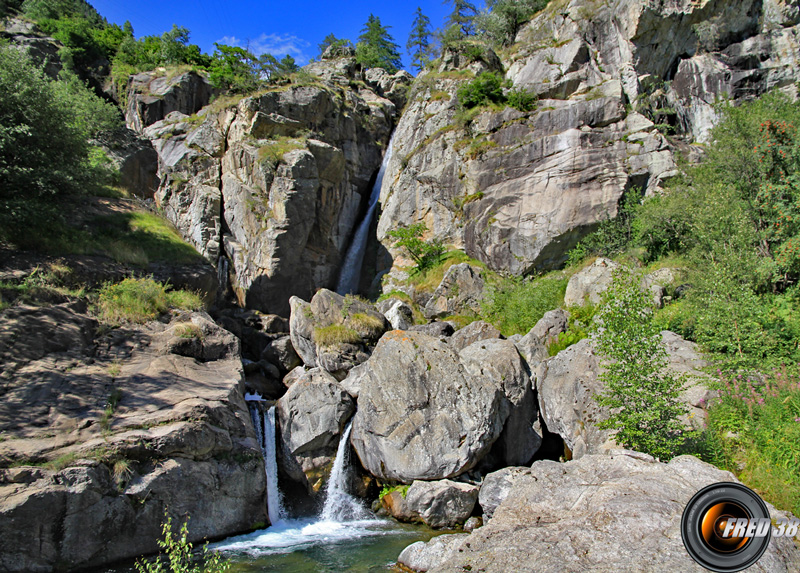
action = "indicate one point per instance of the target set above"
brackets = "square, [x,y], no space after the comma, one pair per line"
[340,505]
[265,432]
[343,518]
[350,274]
[274,498]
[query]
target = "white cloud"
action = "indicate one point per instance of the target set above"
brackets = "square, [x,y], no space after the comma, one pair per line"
[276,44]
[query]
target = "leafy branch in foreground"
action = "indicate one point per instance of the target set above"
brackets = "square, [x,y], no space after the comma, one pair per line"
[178,554]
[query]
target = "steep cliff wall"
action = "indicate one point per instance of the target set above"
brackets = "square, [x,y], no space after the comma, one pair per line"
[276,181]
[518,190]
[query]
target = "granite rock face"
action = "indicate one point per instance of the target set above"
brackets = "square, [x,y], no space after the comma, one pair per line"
[103,431]
[517,190]
[274,182]
[599,513]
[151,96]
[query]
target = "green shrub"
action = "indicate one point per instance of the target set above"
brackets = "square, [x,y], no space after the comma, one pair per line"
[522,99]
[140,300]
[517,305]
[641,394]
[178,555]
[580,319]
[424,253]
[487,88]
[754,431]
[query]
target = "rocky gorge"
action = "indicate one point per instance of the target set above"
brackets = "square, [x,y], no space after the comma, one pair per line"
[105,429]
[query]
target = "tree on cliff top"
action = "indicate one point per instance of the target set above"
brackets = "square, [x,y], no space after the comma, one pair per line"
[419,41]
[376,47]
[462,17]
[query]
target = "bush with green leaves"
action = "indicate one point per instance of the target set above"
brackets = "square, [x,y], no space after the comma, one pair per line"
[178,554]
[44,148]
[486,89]
[640,392]
[503,19]
[423,253]
[517,305]
[754,431]
[613,236]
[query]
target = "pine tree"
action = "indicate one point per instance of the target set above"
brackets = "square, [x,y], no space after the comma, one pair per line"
[419,41]
[462,17]
[376,47]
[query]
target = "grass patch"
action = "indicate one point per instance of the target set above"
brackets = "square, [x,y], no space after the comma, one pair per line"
[62,462]
[273,151]
[366,325]
[54,281]
[140,238]
[111,406]
[189,330]
[140,300]
[429,278]
[515,306]
[335,334]
[580,317]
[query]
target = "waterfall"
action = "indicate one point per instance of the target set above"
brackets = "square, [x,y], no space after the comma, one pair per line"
[340,505]
[265,432]
[350,274]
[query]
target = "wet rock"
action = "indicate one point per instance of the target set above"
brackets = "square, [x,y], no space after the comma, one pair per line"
[438,504]
[312,416]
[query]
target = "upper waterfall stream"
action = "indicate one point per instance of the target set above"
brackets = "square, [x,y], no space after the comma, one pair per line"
[350,274]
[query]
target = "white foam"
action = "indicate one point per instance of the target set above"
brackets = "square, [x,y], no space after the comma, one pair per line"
[297,534]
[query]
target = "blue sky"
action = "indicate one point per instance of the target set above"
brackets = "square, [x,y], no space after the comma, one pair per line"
[293,27]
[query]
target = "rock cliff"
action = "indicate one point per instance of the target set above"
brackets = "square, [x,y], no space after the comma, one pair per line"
[275,181]
[518,189]
[104,432]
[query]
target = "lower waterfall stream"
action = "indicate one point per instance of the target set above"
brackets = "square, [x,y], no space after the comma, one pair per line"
[346,536]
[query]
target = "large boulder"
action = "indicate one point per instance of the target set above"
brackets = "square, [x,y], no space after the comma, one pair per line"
[422,556]
[399,314]
[335,332]
[495,488]
[460,292]
[105,429]
[473,332]
[312,416]
[599,513]
[533,346]
[499,362]
[151,96]
[568,383]
[421,414]
[439,504]
[588,285]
